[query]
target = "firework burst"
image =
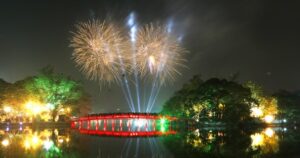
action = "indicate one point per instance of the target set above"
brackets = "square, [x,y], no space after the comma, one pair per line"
[158,53]
[98,49]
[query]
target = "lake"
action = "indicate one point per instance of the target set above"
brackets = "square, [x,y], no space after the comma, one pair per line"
[205,142]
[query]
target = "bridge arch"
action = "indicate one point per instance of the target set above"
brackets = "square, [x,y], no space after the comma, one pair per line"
[124,124]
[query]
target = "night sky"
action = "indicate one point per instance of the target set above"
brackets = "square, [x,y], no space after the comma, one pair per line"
[258,39]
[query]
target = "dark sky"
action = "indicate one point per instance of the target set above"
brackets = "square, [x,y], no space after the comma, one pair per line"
[258,39]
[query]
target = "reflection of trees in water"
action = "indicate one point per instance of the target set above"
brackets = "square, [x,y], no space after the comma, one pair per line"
[265,142]
[232,143]
[36,143]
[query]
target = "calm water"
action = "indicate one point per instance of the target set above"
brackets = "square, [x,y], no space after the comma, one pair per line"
[268,142]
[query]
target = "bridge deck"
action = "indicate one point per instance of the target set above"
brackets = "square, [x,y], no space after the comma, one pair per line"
[100,116]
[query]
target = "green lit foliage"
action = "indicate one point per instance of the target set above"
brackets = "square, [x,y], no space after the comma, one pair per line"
[183,99]
[213,100]
[288,104]
[15,95]
[266,103]
[55,89]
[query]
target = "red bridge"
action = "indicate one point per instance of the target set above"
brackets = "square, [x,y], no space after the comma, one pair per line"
[125,124]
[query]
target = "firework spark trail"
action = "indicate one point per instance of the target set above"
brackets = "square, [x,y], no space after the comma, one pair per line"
[155,90]
[154,87]
[155,46]
[169,30]
[94,46]
[159,86]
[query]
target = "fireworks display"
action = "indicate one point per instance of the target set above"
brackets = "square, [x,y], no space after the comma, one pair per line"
[98,47]
[158,53]
[106,53]
[101,52]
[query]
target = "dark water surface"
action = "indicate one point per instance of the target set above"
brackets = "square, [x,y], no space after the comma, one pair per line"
[204,142]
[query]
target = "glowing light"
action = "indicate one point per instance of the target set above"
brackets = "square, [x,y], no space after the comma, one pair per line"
[140,122]
[50,106]
[257,139]
[48,144]
[269,132]
[170,26]
[133,27]
[210,136]
[133,31]
[151,63]
[60,140]
[196,142]
[68,109]
[256,112]
[62,110]
[7,109]
[284,120]
[67,139]
[130,20]
[163,125]
[163,129]
[35,140]
[35,108]
[26,144]
[56,132]
[269,118]
[5,142]
[162,121]
[29,105]
[210,114]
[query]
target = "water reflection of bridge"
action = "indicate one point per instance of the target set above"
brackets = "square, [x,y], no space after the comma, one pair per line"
[125,124]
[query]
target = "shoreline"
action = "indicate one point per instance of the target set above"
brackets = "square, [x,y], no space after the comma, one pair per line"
[36,125]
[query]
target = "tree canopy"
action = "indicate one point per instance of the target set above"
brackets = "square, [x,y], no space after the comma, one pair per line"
[47,91]
[214,99]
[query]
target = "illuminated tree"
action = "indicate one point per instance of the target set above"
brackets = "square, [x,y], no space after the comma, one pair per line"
[14,96]
[56,90]
[263,105]
[184,99]
[213,100]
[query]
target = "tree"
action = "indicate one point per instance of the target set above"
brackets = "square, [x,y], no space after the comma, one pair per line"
[212,100]
[288,104]
[183,99]
[263,104]
[3,88]
[55,90]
